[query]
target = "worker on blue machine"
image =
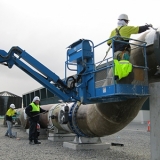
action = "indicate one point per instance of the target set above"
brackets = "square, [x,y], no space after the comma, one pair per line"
[122,50]
[8,117]
[33,112]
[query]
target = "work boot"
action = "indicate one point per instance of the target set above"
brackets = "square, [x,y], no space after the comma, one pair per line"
[31,142]
[37,142]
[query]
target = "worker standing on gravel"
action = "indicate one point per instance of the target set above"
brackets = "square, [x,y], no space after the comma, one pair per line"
[9,114]
[122,50]
[33,112]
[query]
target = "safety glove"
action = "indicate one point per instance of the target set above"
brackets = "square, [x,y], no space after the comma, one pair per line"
[149,25]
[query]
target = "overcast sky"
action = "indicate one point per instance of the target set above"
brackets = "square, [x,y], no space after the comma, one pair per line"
[44,28]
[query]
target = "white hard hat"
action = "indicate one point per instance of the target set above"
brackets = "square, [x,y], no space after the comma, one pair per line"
[36,98]
[12,106]
[123,16]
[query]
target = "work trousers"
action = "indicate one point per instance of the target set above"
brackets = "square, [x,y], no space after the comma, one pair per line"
[9,129]
[122,55]
[33,130]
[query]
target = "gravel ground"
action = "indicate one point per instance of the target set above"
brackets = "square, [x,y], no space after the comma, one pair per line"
[135,138]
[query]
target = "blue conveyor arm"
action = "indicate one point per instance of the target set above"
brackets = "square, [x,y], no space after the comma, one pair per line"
[37,71]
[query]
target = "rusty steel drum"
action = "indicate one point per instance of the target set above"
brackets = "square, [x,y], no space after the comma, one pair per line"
[44,118]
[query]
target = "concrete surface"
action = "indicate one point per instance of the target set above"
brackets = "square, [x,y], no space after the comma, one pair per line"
[135,138]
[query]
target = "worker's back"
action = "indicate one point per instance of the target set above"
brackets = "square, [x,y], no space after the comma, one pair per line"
[125,32]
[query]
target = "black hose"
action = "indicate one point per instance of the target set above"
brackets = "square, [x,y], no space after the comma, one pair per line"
[75,80]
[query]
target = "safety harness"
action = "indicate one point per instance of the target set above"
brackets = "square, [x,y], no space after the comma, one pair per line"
[121,55]
[118,34]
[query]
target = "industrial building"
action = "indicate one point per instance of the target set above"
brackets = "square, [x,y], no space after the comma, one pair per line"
[6,98]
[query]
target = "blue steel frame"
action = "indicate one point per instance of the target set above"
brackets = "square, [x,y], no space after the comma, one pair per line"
[81,55]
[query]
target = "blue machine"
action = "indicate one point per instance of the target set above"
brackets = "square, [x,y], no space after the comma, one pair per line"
[83,85]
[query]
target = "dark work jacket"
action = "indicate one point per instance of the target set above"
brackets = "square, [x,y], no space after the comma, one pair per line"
[33,115]
[8,118]
[120,46]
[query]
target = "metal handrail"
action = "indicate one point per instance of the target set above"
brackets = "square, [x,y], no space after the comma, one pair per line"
[141,44]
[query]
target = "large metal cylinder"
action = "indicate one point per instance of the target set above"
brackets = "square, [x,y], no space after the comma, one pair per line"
[43,120]
[23,119]
[56,110]
[97,120]
[153,53]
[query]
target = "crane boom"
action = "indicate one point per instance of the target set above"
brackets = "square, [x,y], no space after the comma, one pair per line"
[36,70]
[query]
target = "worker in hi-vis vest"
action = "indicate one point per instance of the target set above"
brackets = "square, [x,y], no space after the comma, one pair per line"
[33,112]
[122,50]
[9,120]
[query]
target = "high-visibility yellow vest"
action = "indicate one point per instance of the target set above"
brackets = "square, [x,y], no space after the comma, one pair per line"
[35,108]
[122,68]
[10,112]
[125,31]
